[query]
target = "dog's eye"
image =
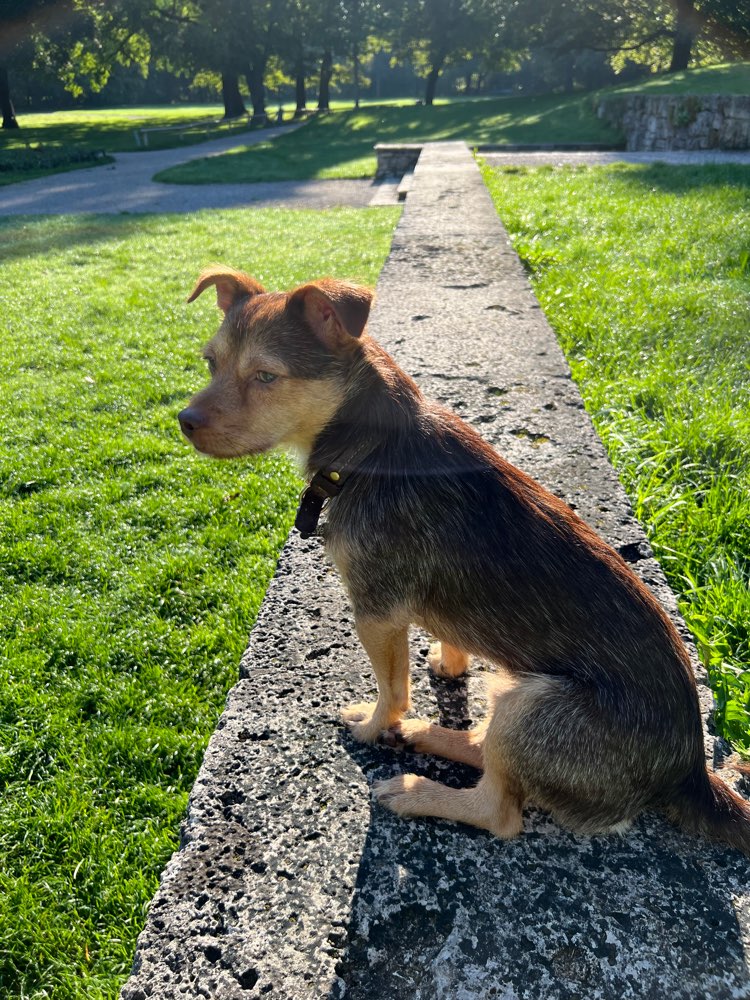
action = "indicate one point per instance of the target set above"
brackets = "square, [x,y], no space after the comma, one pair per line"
[211,362]
[266,377]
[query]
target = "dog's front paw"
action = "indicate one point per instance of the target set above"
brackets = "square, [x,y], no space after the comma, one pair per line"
[363,711]
[362,722]
[400,794]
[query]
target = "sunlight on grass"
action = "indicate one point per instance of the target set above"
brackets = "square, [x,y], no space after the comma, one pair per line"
[326,145]
[133,568]
[643,272]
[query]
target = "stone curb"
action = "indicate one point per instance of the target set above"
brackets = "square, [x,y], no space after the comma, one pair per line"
[290,883]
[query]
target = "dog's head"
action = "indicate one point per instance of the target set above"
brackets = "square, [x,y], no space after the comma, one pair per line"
[278,363]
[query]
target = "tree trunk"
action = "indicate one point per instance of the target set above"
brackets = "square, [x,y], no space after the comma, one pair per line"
[432,79]
[686,31]
[326,72]
[355,57]
[568,76]
[6,104]
[300,91]
[254,75]
[234,106]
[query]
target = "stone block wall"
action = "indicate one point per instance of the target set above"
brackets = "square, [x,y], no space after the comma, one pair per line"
[711,121]
[395,159]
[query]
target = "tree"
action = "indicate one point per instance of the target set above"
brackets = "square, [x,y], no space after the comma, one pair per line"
[19,20]
[434,33]
[77,40]
[654,32]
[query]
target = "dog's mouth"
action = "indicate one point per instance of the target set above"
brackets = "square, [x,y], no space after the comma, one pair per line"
[206,440]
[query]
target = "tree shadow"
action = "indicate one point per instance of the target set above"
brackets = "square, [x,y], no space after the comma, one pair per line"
[28,236]
[683,178]
[442,910]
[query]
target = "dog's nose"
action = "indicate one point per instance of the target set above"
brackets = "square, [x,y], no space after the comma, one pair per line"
[190,420]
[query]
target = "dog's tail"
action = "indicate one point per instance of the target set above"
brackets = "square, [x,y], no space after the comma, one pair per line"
[707,806]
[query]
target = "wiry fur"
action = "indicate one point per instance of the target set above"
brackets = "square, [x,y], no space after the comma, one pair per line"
[595,713]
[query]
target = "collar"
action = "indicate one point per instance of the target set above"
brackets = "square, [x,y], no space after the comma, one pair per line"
[325,485]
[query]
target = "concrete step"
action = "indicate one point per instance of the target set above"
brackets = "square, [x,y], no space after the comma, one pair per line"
[290,883]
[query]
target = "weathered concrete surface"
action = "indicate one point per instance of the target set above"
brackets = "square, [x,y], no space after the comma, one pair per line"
[290,883]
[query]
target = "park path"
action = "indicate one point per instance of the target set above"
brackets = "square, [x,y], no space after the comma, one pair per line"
[590,159]
[288,882]
[127,185]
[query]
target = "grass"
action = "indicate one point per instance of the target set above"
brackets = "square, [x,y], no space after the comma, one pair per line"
[132,567]
[727,78]
[64,135]
[645,272]
[341,144]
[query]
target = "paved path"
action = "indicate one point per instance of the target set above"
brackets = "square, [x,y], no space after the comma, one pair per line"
[127,186]
[560,159]
[290,883]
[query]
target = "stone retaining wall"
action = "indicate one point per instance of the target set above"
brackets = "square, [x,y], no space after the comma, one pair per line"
[396,159]
[290,883]
[718,121]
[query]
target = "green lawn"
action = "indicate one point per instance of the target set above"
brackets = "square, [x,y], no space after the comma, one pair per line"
[132,567]
[645,274]
[727,78]
[62,136]
[341,144]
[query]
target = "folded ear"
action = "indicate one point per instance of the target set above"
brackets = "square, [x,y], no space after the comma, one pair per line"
[336,311]
[231,285]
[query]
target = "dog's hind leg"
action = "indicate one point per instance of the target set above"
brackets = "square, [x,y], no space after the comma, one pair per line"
[447,661]
[495,804]
[464,746]
[387,645]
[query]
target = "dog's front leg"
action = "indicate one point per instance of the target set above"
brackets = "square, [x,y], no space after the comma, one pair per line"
[387,645]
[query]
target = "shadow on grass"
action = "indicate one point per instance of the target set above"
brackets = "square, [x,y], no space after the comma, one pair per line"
[684,178]
[343,142]
[31,235]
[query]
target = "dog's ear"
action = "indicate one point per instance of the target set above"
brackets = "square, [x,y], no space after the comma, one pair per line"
[231,285]
[336,311]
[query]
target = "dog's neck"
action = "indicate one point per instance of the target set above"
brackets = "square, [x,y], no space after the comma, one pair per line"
[381,402]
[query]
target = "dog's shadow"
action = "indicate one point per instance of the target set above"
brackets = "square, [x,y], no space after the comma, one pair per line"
[442,911]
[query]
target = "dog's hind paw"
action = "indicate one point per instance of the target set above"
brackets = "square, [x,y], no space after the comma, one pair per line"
[447,661]
[405,735]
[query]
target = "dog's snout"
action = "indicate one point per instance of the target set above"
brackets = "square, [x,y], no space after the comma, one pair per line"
[191,419]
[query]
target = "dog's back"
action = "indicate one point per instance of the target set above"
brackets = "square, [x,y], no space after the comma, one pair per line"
[595,712]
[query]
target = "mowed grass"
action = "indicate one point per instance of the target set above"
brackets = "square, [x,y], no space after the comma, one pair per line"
[644,273]
[48,143]
[725,78]
[132,567]
[341,144]
[110,129]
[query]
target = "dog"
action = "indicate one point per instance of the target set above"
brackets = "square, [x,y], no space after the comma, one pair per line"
[594,712]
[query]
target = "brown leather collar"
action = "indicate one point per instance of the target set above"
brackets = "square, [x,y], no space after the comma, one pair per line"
[325,485]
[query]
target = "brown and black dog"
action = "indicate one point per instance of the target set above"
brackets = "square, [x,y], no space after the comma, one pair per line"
[594,713]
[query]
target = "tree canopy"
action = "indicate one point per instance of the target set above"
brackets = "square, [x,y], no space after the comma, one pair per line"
[79,42]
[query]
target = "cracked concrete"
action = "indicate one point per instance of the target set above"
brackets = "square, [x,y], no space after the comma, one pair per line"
[290,883]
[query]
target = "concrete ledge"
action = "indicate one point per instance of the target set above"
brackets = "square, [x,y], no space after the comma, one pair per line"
[289,883]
